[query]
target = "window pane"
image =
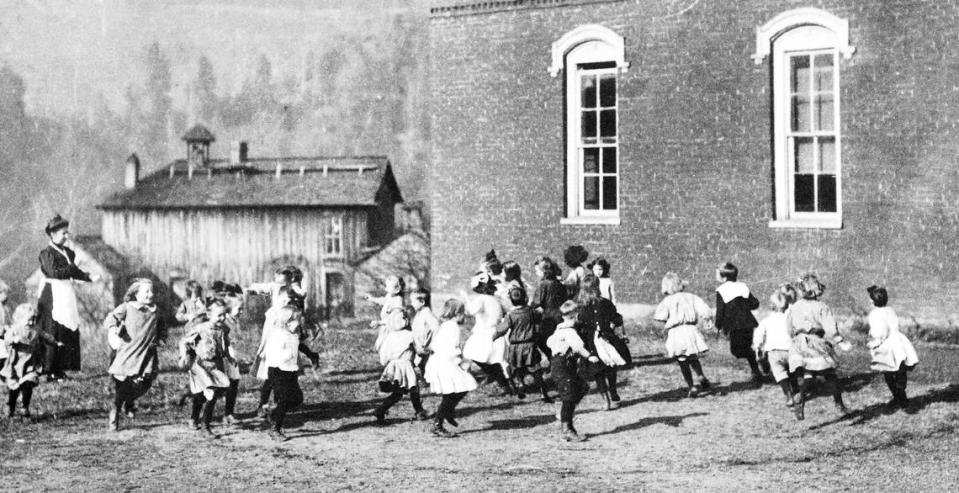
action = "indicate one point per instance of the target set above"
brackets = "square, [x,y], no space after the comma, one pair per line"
[591,192]
[607,123]
[609,160]
[803,193]
[799,75]
[824,112]
[823,76]
[827,155]
[588,91]
[609,193]
[827,193]
[607,90]
[591,160]
[803,155]
[589,124]
[800,113]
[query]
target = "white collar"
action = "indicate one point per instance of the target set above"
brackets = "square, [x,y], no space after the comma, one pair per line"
[732,290]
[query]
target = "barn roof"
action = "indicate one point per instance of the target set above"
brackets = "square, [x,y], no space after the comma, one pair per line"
[264,182]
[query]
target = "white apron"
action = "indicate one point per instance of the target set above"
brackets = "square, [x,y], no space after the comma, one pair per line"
[64,301]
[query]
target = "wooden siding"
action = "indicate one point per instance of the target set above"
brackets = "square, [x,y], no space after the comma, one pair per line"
[236,245]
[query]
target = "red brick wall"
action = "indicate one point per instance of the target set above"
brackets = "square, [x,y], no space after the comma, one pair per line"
[695,152]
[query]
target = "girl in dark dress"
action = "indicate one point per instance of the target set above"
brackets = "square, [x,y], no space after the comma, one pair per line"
[57,311]
[522,324]
[734,317]
[596,323]
[548,297]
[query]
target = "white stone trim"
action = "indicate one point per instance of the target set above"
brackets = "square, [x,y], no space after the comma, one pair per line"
[811,223]
[766,34]
[587,220]
[585,33]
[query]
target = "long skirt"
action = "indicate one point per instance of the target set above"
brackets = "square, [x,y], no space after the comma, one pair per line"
[57,359]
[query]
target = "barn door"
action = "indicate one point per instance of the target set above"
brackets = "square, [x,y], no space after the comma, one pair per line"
[337,300]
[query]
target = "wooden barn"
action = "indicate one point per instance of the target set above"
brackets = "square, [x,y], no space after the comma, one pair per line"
[240,218]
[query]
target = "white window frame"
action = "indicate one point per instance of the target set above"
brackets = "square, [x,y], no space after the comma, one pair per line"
[333,236]
[794,33]
[586,45]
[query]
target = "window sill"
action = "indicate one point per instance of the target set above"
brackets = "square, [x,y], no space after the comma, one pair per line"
[824,223]
[585,220]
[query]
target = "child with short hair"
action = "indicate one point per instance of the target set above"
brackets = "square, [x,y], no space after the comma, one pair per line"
[232,296]
[523,325]
[734,317]
[396,349]
[569,354]
[814,331]
[424,325]
[771,340]
[600,268]
[284,337]
[136,329]
[21,371]
[892,353]
[680,313]
[444,371]
[209,345]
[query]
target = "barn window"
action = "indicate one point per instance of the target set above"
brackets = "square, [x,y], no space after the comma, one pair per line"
[806,45]
[592,58]
[333,236]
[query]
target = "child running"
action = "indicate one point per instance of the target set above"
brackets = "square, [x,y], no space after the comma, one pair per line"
[814,331]
[444,372]
[396,349]
[681,312]
[482,347]
[208,344]
[284,336]
[192,310]
[734,317]
[21,371]
[424,325]
[548,297]
[569,354]
[523,325]
[771,340]
[136,329]
[892,353]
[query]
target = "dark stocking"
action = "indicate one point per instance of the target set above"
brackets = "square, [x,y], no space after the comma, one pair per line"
[12,401]
[198,400]
[611,378]
[208,408]
[538,378]
[26,391]
[415,399]
[230,398]
[890,378]
[832,386]
[787,387]
[753,364]
[390,400]
[566,412]
[687,375]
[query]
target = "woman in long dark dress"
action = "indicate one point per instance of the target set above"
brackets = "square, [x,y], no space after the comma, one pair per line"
[57,307]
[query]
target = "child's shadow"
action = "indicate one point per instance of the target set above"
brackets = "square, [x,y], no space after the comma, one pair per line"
[673,421]
[948,394]
[514,423]
[651,360]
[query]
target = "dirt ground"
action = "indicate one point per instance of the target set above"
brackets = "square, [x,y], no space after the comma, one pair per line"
[736,438]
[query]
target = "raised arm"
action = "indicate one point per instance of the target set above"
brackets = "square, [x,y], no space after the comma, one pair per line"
[55,266]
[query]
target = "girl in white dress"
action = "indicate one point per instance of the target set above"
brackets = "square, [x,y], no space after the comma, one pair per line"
[891,351]
[600,268]
[444,371]
[481,347]
[681,312]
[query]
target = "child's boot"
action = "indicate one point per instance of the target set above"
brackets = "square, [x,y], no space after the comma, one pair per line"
[787,391]
[569,434]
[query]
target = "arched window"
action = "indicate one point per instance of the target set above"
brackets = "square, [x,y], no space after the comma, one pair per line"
[806,45]
[592,58]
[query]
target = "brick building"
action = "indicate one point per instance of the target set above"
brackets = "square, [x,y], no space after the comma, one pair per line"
[782,135]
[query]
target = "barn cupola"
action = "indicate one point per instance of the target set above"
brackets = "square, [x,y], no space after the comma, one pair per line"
[198,141]
[131,174]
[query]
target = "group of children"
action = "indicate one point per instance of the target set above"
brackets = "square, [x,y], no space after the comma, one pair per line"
[569,327]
